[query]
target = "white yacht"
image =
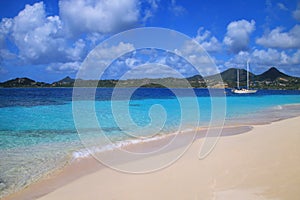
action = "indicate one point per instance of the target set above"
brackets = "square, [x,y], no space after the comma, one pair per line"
[247,90]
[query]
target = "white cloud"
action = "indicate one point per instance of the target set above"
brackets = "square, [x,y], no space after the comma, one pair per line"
[151,7]
[238,35]
[6,55]
[208,42]
[276,38]
[101,58]
[152,70]
[5,28]
[104,16]
[36,43]
[40,39]
[265,58]
[108,53]
[296,13]
[144,62]
[238,61]
[30,18]
[132,62]
[77,51]
[296,57]
[69,67]
[197,56]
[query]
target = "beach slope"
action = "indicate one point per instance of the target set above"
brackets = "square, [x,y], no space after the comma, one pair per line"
[260,164]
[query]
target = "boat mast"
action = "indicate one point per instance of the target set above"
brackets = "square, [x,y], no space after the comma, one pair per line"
[248,74]
[238,78]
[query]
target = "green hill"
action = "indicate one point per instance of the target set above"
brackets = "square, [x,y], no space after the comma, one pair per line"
[272,74]
[23,82]
[271,79]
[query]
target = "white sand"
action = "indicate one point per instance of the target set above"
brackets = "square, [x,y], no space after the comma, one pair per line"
[263,163]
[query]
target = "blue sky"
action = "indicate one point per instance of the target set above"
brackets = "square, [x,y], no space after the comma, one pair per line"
[48,40]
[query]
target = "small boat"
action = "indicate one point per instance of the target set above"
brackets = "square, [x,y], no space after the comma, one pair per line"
[247,90]
[244,91]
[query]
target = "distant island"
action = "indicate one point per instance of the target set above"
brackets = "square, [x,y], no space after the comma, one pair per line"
[271,79]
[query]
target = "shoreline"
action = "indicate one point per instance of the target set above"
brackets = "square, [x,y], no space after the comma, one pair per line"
[80,168]
[262,163]
[87,165]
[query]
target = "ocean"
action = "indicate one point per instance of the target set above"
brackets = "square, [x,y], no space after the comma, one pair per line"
[38,133]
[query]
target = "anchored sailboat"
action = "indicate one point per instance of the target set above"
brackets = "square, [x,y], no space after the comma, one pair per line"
[247,90]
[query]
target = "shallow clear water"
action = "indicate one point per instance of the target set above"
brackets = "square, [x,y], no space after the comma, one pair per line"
[38,133]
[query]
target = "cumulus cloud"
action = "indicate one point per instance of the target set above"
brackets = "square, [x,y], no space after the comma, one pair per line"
[197,56]
[69,67]
[296,13]
[152,70]
[101,58]
[269,57]
[77,51]
[190,56]
[238,61]
[265,58]
[238,35]
[5,28]
[40,39]
[104,16]
[30,18]
[207,41]
[296,57]
[109,53]
[146,62]
[276,38]
[132,62]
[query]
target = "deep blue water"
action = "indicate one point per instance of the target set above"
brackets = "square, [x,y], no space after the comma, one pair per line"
[38,132]
[11,97]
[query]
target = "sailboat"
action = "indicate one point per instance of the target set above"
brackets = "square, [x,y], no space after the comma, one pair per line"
[247,90]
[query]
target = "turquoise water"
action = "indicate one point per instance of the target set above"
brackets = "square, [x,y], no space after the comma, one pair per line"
[38,133]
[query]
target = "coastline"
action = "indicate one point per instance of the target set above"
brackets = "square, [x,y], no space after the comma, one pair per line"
[146,100]
[82,166]
[54,164]
[79,170]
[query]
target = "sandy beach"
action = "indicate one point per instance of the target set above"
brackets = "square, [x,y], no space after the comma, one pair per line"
[149,100]
[262,163]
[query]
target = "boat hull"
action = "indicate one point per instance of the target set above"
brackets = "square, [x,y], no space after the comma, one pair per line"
[244,91]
